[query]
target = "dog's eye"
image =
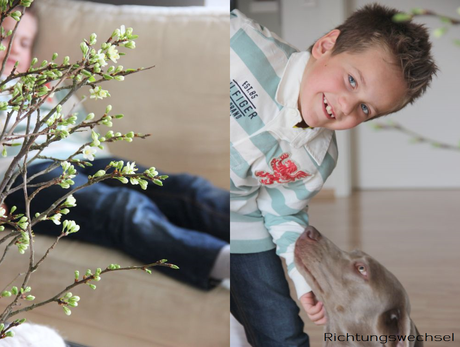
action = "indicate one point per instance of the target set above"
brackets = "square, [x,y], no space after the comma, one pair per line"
[362,269]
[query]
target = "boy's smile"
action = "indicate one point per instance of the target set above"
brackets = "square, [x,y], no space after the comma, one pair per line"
[341,91]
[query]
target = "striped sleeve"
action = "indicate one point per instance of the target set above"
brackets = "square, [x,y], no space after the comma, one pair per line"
[285,212]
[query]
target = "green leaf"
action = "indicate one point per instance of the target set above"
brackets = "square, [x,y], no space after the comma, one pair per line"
[6,293]
[402,17]
[439,32]
[157,182]
[456,42]
[445,19]
[418,11]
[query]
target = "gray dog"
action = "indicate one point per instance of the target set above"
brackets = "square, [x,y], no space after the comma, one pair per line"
[366,305]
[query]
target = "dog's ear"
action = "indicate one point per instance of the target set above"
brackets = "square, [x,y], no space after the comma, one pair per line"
[396,322]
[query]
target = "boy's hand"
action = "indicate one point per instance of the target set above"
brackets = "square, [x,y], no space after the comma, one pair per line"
[314,308]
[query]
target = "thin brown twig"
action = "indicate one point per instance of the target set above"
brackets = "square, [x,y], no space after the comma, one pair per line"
[88,279]
[5,251]
[10,43]
[453,21]
[416,137]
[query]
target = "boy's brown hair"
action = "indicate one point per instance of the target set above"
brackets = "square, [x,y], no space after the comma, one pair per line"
[408,42]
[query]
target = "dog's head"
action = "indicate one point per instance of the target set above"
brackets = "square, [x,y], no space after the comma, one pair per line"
[359,294]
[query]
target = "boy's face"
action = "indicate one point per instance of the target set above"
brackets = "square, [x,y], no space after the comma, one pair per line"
[21,50]
[341,91]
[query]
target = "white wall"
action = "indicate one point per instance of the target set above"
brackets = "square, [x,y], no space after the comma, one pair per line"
[386,159]
[267,16]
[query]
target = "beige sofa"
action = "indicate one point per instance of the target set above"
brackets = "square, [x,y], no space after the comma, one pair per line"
[183,103]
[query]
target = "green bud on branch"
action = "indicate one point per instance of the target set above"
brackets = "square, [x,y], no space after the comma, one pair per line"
[16,15]
[84,48]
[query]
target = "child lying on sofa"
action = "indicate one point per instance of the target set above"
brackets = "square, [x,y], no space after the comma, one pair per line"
[185,221]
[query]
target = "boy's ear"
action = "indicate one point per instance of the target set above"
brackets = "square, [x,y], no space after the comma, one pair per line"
[325,44]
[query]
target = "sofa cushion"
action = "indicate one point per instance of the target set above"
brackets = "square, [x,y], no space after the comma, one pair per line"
[182,101]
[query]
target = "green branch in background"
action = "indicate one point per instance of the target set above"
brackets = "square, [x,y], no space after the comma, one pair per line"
[414,137]
[448,22]
[438,32]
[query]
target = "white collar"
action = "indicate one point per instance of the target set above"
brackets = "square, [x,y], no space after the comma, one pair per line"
[287,95]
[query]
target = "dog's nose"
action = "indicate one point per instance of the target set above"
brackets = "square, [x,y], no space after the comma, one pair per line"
[312,233]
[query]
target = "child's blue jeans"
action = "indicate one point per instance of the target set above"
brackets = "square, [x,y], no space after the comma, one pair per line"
[186,221]
[261,302]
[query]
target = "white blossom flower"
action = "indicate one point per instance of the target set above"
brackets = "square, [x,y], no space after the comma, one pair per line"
[70,201]
[99,57]
[56,218]
[98,93]
[69,227]
[130,168]
[112,53]
[88,152]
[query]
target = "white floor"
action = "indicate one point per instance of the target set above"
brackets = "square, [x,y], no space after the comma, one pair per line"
[237,336]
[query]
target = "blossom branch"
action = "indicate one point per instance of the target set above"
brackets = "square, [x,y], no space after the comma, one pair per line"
[94,277]
[415,137]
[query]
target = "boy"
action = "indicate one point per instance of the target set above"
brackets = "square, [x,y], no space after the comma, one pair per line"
[185,221]
[285,106]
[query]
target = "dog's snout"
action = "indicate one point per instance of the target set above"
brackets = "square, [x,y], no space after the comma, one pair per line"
[312,233]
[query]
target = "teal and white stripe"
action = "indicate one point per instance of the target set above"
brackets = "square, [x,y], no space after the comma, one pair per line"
[265,75]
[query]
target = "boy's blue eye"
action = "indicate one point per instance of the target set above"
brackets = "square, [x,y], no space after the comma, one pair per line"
[352,81]
[365,109]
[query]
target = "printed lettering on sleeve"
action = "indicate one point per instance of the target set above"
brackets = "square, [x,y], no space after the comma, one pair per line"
[240,100]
